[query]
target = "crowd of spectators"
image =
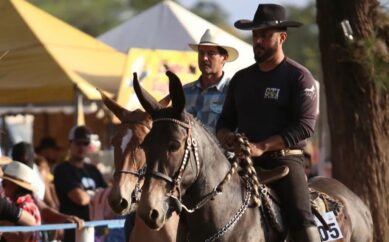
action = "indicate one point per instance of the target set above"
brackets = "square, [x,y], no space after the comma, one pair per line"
[38,186]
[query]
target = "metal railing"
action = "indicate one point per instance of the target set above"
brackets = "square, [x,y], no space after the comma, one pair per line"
[86,234]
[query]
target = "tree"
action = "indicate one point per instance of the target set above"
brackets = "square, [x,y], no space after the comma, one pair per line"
[355,68]
[302,43]
[141,5]
[212,12]
[91,16]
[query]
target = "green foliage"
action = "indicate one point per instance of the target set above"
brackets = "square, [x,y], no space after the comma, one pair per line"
[373,55]
[302,43]
[212,12]
[140,5]
[90,16]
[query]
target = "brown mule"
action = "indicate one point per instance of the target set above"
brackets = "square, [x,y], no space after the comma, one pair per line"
[129,160]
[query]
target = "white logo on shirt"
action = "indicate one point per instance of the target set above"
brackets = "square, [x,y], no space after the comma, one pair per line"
[272,93]
[88,183]
[310,92]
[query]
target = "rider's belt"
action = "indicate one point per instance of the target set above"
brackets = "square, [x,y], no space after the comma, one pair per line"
[282,153]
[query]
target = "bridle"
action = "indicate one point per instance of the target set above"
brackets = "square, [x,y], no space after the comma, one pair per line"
[140,173]
[191,145]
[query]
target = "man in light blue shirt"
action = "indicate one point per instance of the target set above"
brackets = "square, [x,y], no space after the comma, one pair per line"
[205,96]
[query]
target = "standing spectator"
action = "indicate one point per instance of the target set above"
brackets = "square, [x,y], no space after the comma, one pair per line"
[75,180]
[273,102]
[49,149]
[19,187]
[308,165]
[50,198]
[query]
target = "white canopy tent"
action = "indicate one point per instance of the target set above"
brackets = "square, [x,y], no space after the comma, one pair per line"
[169,26]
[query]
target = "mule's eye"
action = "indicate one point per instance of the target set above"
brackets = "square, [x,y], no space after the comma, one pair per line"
[173,146]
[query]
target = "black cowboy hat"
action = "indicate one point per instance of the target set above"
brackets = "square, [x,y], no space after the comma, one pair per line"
[267,16]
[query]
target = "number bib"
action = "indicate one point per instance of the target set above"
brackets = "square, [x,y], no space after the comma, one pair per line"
[334,232]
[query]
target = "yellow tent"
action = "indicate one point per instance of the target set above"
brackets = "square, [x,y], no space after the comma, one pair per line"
[47,59]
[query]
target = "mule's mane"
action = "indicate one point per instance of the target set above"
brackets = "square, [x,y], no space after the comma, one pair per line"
[207,130]
[247,171]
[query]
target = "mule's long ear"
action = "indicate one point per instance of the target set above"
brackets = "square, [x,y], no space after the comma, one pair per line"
[147,101]
[115,108]
[176,92]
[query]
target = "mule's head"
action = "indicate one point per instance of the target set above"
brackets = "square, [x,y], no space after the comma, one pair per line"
[129,158]
[165,148]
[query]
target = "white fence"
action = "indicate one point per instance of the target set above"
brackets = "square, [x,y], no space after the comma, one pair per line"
[86,234]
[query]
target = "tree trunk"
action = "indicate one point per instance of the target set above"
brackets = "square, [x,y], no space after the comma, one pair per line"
[358,106]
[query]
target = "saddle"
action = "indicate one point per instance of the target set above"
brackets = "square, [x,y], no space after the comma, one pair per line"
[320,204]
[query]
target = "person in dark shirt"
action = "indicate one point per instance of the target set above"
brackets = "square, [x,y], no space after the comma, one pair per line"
[75,180]
[273,102]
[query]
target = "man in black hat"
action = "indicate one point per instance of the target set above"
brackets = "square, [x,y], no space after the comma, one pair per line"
[273,102]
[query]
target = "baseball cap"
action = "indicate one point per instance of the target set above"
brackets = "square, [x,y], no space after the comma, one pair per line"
[80,133]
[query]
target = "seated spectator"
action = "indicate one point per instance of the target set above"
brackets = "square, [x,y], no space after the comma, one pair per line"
[18,187]
[9,211]
[24,153]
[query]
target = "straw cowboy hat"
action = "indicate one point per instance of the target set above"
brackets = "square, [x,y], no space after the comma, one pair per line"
[20,174]
[267,16]
[4,160]
[213,38]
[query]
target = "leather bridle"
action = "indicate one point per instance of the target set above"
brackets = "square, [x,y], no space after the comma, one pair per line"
[191,145]
[140,173]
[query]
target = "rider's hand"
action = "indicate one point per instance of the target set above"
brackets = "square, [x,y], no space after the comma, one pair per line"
[257,149]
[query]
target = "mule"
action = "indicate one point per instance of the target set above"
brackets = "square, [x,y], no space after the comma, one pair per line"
[187,168]
[129,162]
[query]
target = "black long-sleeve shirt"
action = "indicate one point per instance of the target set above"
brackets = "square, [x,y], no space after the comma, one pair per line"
[282,101]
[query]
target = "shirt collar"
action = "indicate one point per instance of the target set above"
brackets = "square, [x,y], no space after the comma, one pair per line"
[219,86]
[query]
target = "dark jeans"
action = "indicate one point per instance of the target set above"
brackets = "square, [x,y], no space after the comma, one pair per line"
[292,190]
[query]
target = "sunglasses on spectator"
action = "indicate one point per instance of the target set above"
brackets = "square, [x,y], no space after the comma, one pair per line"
[81,143]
